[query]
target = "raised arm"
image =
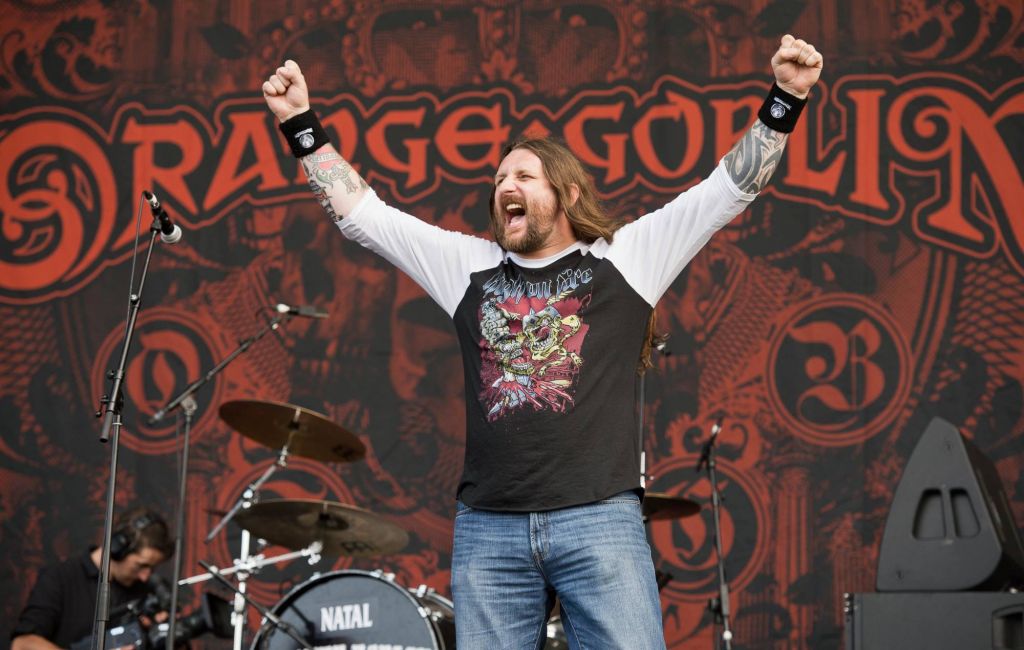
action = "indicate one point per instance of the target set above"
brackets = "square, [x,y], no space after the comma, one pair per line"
[337,187]
[751,163]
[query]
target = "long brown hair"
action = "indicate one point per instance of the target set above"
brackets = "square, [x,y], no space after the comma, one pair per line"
[563,169]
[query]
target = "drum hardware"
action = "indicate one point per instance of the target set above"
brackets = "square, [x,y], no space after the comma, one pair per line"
[250,494]
[252,564]
[245,501]
[268,616]
[341,529]
[294,430]
[423,593]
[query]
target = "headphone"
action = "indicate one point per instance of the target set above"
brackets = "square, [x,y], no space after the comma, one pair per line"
[125,539]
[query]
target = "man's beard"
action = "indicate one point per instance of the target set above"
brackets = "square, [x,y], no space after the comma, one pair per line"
[540,223]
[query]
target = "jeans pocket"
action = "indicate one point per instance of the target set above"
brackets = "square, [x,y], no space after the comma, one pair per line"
[461,509]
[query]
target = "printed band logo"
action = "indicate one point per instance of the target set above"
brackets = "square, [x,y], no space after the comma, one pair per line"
[777,110]
[531,346]
[168,353]
[58,195]
[839,370]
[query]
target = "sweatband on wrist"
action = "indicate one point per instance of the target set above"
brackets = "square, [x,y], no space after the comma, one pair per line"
[780,110]
[304,133]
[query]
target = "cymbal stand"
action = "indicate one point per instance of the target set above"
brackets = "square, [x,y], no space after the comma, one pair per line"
[249,496]
[256,562]
[719,607]
[287,628]
[251,493]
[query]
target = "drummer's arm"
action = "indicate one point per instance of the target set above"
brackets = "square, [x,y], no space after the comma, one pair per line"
[32,642]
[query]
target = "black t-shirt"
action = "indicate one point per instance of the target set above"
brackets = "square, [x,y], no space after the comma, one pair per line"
[550,346]
[62,604]
[550,357]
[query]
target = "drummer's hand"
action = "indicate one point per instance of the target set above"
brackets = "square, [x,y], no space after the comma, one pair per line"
[159,617]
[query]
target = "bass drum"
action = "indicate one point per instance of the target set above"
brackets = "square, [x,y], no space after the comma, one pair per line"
[344,608]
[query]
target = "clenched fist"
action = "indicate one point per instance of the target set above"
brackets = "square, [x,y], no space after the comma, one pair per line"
[797,66]
[286,92]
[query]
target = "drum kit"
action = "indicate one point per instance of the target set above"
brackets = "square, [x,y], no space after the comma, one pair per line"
[342,607]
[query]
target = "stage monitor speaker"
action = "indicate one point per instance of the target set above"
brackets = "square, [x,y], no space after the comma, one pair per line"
[950,527]
[966,620]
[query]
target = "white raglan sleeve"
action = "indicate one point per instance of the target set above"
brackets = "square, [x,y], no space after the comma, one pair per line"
[438,260]
[653,250]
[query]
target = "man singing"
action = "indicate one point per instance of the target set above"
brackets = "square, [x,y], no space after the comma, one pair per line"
[552,318]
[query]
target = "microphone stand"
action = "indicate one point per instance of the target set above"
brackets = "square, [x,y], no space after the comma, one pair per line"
[662,349]
[110,410]
[189,406]
[719,607]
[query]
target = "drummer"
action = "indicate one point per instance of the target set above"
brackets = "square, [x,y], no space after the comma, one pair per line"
[61,607]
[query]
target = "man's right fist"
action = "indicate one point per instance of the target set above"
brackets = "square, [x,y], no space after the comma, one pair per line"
[286,92]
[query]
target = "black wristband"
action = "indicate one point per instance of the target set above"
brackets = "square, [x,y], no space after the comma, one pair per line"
[780,110]
[304,133]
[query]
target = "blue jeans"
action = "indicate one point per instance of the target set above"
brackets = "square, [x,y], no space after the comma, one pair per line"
[507,568]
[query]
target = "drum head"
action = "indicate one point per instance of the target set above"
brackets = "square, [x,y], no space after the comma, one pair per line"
[351,607]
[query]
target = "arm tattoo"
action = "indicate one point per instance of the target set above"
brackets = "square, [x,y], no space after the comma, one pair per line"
[753,160]
[322,170]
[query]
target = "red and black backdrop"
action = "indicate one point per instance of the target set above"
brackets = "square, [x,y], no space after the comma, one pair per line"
[877,283]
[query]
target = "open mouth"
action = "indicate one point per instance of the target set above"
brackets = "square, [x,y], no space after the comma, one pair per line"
[515,213]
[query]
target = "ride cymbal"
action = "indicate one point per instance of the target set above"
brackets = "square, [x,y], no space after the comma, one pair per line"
[659,506]
[306,433]
[342,529]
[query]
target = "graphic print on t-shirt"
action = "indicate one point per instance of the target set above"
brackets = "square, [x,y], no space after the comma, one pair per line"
[532,335]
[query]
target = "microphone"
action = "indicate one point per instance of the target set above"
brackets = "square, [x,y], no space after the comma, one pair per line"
[169,232]
[305,311]
[717,426]
[705,453]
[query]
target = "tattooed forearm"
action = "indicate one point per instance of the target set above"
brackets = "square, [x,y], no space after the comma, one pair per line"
[322,198]
[753,160]
[323,170]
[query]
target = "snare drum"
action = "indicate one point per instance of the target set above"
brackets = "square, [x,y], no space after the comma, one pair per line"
[360,607]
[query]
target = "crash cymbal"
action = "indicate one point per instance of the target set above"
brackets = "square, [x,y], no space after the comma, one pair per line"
[307,433]
[342,529]
[659,506]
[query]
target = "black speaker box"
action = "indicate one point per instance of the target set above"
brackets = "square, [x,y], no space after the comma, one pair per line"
[950,527]
[975,620]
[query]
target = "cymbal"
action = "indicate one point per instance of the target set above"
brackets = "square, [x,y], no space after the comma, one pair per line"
[342,529]
[307,433]
[659,506]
